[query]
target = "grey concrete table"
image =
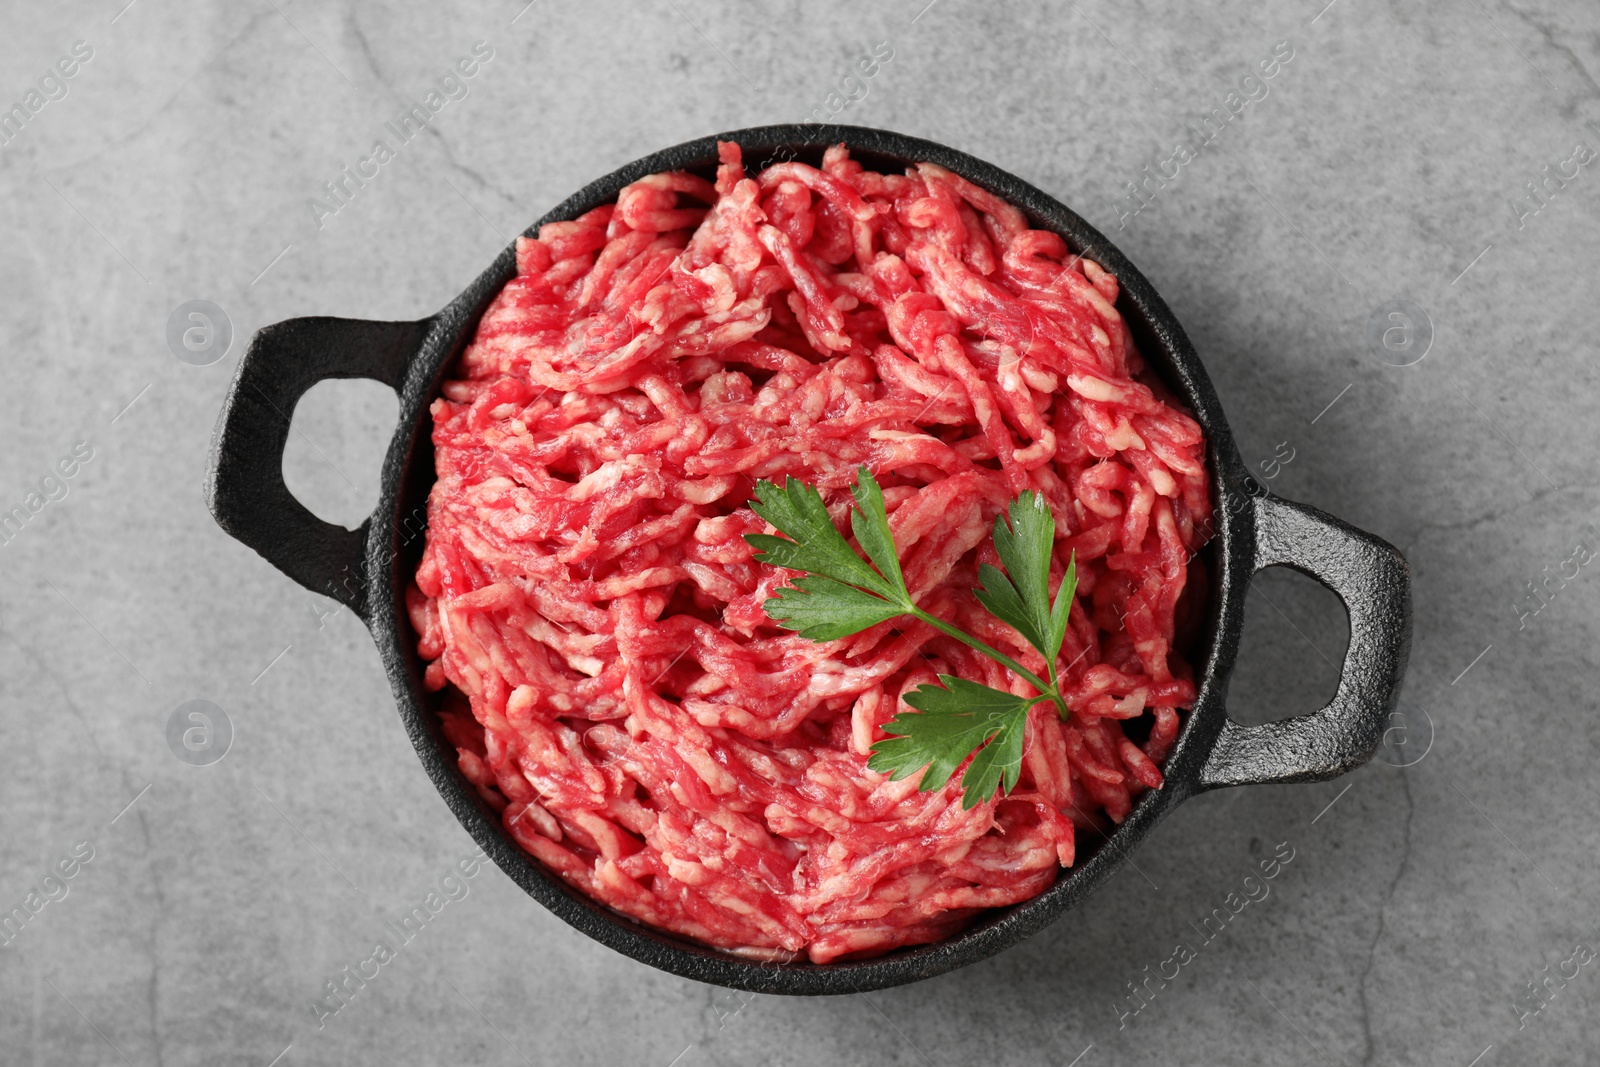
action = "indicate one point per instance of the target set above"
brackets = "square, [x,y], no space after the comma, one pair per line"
[1438,906]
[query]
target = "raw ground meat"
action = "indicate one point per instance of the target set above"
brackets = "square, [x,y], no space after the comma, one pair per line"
[588,603]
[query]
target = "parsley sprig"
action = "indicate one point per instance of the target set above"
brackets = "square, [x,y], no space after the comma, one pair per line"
[842,594]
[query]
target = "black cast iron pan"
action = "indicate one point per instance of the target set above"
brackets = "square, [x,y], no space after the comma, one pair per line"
[369,568]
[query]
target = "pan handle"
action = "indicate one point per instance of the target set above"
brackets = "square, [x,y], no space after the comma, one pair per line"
[245,486]
[1371,577]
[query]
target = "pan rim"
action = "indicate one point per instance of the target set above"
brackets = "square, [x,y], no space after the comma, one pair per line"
[1175,360]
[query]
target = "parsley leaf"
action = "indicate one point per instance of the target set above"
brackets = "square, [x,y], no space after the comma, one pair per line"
[825,610]
[1021,595]
[842,594]
[952,721]
[812,543]
[870,524]
[1062,609]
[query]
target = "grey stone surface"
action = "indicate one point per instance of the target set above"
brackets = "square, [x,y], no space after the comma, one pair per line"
[1382,164]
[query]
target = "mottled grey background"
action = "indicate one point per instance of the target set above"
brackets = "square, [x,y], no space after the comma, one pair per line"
[1383,164]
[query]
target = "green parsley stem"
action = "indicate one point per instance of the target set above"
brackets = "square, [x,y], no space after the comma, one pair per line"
[1047,690]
